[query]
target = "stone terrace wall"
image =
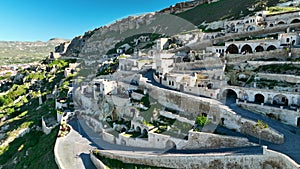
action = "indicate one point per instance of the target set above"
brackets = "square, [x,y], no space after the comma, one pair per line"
[280,77]
[284,115]
[192,106]
[269,159]
[213,141]
[280,54]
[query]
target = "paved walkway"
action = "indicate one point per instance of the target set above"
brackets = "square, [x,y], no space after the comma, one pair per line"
[72,151]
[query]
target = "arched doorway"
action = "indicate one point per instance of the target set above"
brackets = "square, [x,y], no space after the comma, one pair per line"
[181,88]
[280,100]
[138,129]
[271,47]
[246,49]
[259,49]
[296,20]
[250,28]
[145,133]
[178,60]
[233,49]
[210,86]
[259,98]
[229,96]
[170,144]
[280,23]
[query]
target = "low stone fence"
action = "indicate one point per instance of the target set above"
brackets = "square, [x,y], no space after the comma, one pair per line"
[202,140]
[286,116]
[175,116]
[280,77]
[255,160]
[97,162]
[267,134]
[47,129]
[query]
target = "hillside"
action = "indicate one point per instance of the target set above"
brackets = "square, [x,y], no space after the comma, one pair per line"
[223,9]
[12,52]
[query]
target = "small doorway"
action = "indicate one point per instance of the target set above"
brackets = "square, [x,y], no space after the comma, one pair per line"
[298,122]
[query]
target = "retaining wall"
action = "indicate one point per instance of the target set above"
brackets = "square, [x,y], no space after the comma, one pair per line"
[269,159]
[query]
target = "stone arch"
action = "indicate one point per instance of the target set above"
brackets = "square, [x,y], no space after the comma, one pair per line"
[271,47]
[259,98]
[250,28]
[229,92]
[145,132]
[170,144]
[178,60]
[271,25]
[259,49]
[233,49]
[229,96]
[222,121]
[246,48]
[280,99]
[138,129]
[298,121]
[181,87]
[296,20]
[280,23]
[123,129]
[210,85]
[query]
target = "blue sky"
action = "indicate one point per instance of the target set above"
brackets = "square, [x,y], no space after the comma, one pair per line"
[31,20]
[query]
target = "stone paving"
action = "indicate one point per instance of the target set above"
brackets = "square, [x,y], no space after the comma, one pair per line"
[72,151]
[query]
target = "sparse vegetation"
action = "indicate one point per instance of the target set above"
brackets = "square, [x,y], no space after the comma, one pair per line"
[22,109]
[215,11]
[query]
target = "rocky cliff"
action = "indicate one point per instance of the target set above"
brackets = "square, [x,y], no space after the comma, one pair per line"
[96,43]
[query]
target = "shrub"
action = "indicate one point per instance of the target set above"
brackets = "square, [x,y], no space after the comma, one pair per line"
[202,121]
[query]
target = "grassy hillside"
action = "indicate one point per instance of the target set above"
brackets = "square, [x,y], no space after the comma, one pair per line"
[20,109]
[223,9]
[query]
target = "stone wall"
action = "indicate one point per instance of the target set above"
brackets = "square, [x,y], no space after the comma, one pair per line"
[195,140]
[268,160]
[98,164]
[108,137]
[280,77]
[238,58]
[213,141]
[46,129]
[177,117]
[267,134]
[280,54]
[286,116]
[191,107]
